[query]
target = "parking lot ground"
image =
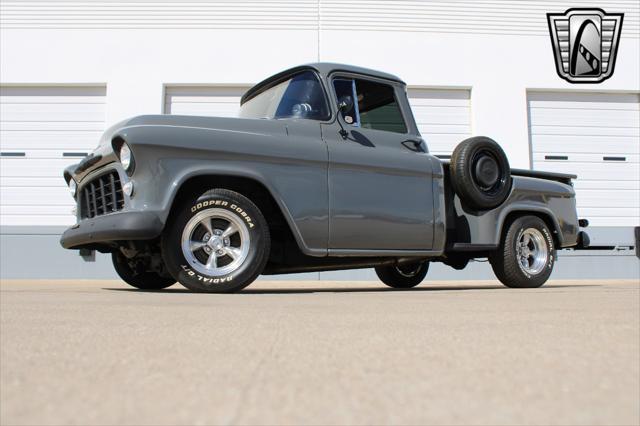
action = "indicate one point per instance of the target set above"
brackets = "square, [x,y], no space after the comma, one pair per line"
[97,352]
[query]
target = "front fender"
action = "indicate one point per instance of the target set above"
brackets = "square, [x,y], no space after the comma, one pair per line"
[293,170]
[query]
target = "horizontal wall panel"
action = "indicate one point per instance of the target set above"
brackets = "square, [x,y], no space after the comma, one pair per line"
[526,17]
[488,17]
[282,14]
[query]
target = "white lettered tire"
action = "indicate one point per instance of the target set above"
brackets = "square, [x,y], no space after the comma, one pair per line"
[527,254]
[218,243]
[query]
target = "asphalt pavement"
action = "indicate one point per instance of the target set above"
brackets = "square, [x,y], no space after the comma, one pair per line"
[98,352]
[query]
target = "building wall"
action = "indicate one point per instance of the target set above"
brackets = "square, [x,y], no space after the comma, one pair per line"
[498,50]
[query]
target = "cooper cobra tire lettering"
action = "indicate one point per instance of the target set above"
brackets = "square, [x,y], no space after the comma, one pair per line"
[240,255]
[192,273]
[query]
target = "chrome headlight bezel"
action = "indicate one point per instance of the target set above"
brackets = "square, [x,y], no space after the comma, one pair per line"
[126,157]
[73,187]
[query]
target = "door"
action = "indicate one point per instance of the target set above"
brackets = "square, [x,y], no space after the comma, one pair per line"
[214,101]
[443,117]
[597,137]
[43,130]
[380,178]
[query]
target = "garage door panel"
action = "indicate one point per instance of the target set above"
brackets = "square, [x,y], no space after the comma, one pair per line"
[47,112]
[587,158]
[585,131]
[561,100]
[596,137]
[32,181]
[206,109]
[33,196]
[633,184]
[592,118]
[57,126]
[587,105]
[10,94]
[443,117]
[63,141]
[174,99]
[621,212]
[607,221]
[592,144]
[431,115]
[428,129]
[589,171]
[23,209]
[37,218]
[434,96]
[39,167]
[603,197]
[214,101]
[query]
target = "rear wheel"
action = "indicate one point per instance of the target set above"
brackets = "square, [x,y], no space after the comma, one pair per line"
[406,275]
[218,243]
[132,272]
[527,254]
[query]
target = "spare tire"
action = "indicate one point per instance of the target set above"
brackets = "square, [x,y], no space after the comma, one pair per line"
[480,173]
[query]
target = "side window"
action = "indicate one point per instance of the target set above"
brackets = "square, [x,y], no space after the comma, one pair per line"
[376,107]
[303,98]
[300,96]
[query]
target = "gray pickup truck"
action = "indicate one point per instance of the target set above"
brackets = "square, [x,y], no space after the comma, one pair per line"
[324,169]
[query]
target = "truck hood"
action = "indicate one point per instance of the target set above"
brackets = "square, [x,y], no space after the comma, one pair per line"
[103,153]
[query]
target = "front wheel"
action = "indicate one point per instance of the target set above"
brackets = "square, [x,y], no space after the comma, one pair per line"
[136,275]
[218,243]
[406,275]
[527,254]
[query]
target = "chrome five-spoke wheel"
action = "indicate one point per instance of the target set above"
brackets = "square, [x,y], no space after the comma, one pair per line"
[215,242]
[532,251]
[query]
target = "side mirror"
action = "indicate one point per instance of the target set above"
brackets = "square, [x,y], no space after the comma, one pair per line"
[345,103]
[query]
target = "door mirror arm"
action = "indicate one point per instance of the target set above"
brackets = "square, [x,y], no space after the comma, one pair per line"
[342,106]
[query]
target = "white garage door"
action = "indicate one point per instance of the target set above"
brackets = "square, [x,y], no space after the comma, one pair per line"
[217,101]
[597,137]
[43,130]
[443,117]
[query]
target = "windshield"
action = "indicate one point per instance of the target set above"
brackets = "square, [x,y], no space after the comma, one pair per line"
[301,96]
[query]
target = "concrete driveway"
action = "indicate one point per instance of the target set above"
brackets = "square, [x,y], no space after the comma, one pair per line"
[320,353]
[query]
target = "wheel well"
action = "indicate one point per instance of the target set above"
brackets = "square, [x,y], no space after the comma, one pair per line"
[544,216]
[282,238]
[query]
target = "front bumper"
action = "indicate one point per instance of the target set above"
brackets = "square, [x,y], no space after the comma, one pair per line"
[120,226]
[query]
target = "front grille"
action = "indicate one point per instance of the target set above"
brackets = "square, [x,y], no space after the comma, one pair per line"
[102,195]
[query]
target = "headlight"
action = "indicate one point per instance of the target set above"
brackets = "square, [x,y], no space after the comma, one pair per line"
[126,158]
[73,187]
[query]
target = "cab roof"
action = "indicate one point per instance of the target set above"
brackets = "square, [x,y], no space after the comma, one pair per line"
[323,68]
